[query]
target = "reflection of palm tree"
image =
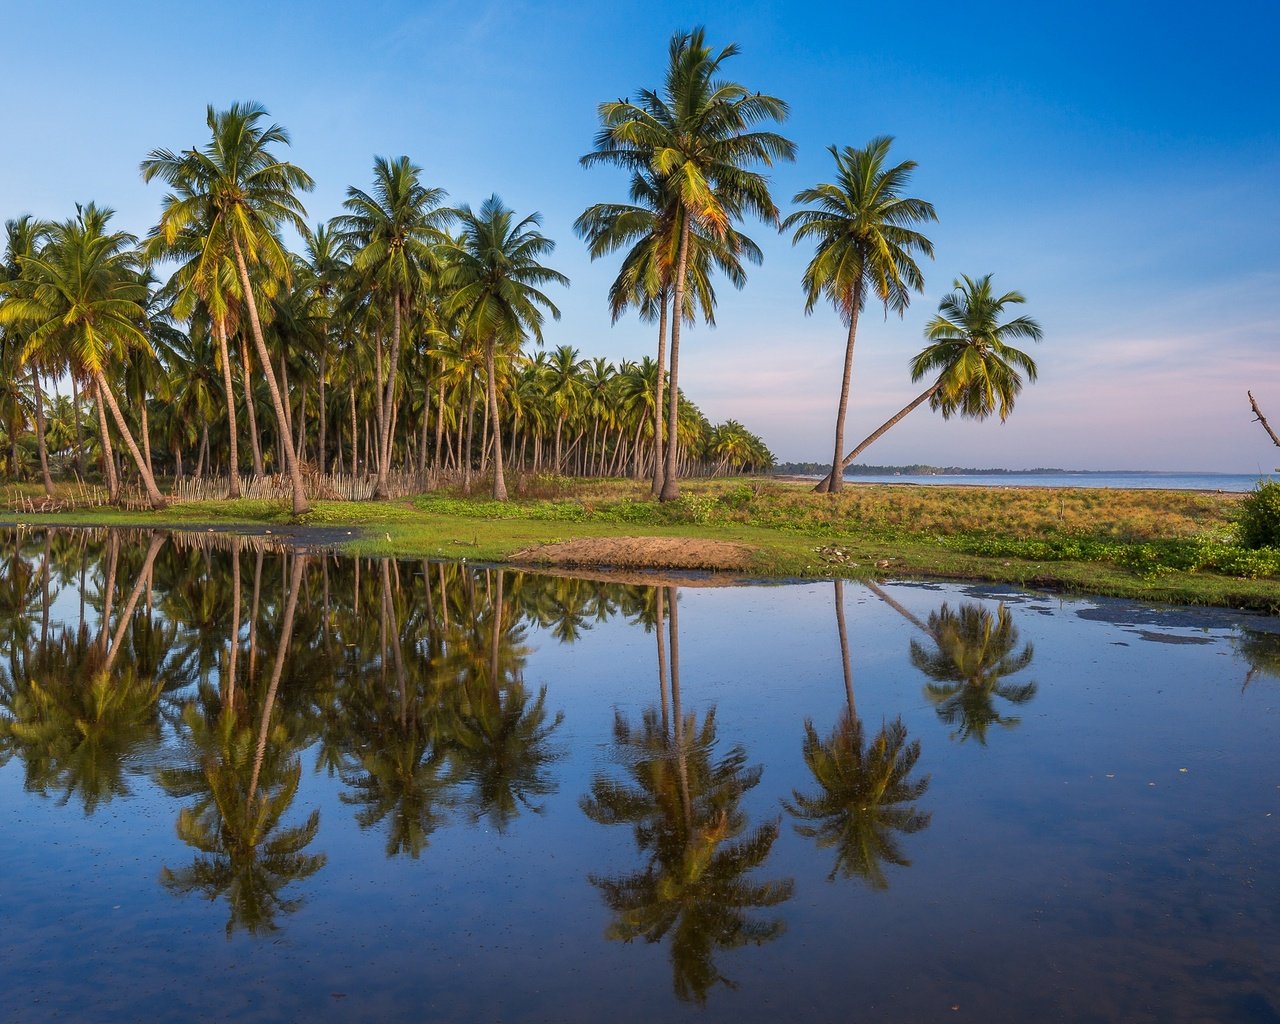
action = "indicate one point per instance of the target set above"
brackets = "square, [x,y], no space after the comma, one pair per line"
[398,772]
[244,854]
[866,791]
[974,652]
[684,807]
[1261,651]
[78,728]
[501,741]
[865,799]
[693,885]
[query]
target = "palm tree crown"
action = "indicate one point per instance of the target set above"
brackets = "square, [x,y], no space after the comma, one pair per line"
[978,369]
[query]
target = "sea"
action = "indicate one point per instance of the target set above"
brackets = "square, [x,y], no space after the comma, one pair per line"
[1237,482]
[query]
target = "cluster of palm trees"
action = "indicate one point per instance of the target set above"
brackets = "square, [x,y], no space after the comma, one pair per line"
[367,352]
[691,149]
[370,350]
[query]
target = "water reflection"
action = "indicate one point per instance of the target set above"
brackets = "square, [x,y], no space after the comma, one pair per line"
[682,799]
[972,653]
[865,798]
[1262,652]
[358,762]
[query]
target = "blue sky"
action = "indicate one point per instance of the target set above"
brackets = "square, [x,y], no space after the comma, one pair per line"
[1118,163]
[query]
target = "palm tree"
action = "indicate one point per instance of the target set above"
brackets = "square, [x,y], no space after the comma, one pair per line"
[650,225]
[236,194]
[82,297]
[865,791]
[393,232]
[977,368]
[865,797]
[495,277]
[974,652]
[865,246]
[23,239]
[696,138]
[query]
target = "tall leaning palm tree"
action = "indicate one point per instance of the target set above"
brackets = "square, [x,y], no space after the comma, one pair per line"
[697,139]
[978,371]
[239,194]
[866,246]
[495,280]
[394,232]
[82,297]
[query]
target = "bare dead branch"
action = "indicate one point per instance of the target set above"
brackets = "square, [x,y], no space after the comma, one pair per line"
[1257,415]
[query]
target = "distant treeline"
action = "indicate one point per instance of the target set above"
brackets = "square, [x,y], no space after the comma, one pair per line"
[822,468]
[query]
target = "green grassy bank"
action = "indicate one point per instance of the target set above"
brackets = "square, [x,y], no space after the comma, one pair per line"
[1161,545]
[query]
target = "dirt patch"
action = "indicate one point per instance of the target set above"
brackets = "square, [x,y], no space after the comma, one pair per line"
[640,553]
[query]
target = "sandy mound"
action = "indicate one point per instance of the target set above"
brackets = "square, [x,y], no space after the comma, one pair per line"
[640,553]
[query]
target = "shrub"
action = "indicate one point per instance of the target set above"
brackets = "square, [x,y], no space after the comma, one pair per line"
[1258,518]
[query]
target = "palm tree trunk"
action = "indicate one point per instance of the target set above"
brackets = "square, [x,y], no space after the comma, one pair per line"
[321,455]
[108,456]
[40,442]
[439,454]
[286,634]
[844,650]
[659,470]
[145,428]
[157,542]
[671,484]
[836,479]
[233,458]
[254,441]
[154,498]
[384,461]
[471,427]
[75,417]
[295,476]
[876,434]
[229,690]
[660,597]
[355,435]
[499,481]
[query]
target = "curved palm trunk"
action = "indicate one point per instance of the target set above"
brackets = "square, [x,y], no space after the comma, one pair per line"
[659,470]
[108,456]
[154,497]
[295,476]
[876,434]
[499,481]
[880,592]
[233,490]
[153,549]
[671,484]
[835,481]
[40,442]
[286,634]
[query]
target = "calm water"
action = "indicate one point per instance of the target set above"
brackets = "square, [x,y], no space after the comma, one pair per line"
[445,793]
[1124,481]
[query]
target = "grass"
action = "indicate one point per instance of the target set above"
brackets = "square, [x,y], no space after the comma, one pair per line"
[1162,545]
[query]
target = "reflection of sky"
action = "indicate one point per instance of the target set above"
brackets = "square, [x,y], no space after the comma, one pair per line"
[1071,859]
[1116,165]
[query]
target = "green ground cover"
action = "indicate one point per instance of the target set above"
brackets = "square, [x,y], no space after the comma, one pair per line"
[1163,545]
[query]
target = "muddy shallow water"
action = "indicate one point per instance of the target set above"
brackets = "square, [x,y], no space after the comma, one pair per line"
[247,783]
